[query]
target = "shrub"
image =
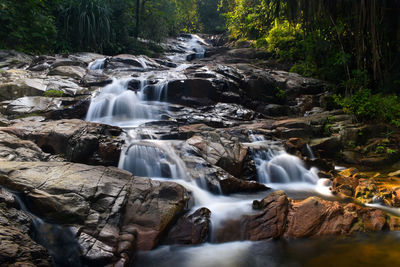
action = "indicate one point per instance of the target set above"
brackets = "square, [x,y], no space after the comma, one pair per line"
[284,40]
[367,106]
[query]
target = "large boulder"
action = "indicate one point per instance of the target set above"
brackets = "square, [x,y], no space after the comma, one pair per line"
[75,72]
[114,212]
[76,140]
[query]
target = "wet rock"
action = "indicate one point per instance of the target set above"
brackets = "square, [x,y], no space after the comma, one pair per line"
[125,61]
[326,147]
[224,153]
[191,229]
[16,247]
[76,140]
[215,179]
[115,212]
[12,59]
[33,104]
[75,72]
[283,217]
[345,183]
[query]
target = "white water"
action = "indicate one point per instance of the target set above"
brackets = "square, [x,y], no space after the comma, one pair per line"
[117,105]
[98,64]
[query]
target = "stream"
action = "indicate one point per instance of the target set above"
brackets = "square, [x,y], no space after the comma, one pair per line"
[146,156]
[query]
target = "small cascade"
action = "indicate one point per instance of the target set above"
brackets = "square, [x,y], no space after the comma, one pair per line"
[152,159]
[281,167]
[98,64]
[60,241]
[310,152]
[117,105]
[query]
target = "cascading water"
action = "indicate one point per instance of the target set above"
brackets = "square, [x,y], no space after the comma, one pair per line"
[98,64]
[281,167]
[118,105]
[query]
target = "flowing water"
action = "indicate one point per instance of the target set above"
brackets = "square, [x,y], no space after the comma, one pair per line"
[117,104]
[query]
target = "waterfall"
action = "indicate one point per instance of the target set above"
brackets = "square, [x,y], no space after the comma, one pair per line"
[153,158]
[117,105]
[281,167]
[98,64]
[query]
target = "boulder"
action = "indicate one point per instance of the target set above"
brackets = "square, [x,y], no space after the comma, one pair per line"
[227,154]
[14,149]
[33,104]
[114,212]
[191,229]
[16,84]
[75,72]
[76,140]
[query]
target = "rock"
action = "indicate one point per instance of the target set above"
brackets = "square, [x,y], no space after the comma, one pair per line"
[75,72]
[17,247]
[191,229]
[217,180]
[33,104]
[14,149]
[394,174]
[326,147]
[249,53]
[115,212]
[224,153]
[125,61]
[345,183]
[282,217]
[76,140]
[275,110]
[316,217]
[10,59]
[16,84]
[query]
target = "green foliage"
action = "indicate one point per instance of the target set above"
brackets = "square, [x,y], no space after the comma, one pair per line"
[85,24]
[53,93]
[284,40]
[27,25]
[367,106]
[210,17]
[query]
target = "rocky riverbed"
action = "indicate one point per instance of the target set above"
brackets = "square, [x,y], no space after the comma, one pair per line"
[123,154]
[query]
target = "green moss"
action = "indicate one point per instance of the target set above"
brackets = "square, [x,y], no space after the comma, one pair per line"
[53,93]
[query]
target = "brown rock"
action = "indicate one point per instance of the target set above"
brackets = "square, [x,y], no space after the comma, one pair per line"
[191,229]
[77,140]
